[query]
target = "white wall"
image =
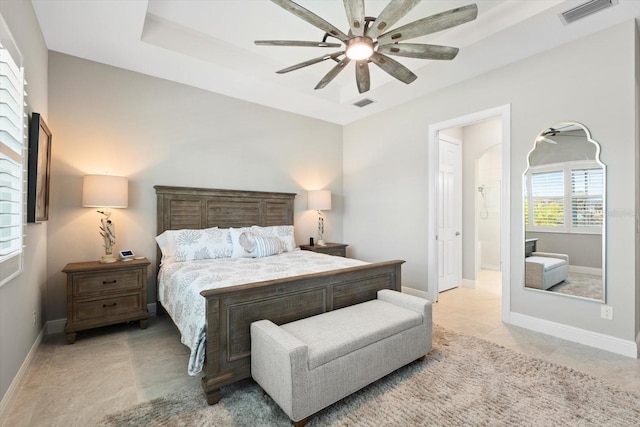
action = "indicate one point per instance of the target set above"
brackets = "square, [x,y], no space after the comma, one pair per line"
[487,212]
[385,164]
[156,132]
[25,294]
[477,138]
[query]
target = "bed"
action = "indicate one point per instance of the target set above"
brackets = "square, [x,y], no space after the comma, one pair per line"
[230,310]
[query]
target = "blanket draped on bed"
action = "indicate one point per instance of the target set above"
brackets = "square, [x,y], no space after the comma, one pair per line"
[180,284]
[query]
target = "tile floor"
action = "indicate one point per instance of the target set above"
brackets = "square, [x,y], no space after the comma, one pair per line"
[112,368]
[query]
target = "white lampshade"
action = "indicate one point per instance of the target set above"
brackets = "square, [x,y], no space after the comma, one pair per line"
[319,200]
[105,191]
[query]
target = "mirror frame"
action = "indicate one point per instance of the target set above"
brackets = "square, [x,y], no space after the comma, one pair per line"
[604,210]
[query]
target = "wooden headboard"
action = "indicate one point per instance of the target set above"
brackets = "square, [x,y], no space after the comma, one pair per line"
[193,208]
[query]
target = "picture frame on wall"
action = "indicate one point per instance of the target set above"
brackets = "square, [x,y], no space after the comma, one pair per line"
[39,168]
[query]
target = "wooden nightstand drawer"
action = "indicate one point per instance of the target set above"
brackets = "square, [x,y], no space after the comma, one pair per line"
[104,294]
[112,282]
[336,249]
[108,307]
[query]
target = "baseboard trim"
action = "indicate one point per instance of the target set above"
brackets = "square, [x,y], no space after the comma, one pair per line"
[415,292]
[10,395]
[580,336]
[468,283]
[585,270]
[55,326]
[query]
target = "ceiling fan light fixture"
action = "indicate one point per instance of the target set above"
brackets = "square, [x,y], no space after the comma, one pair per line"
[359,48]
[365,41]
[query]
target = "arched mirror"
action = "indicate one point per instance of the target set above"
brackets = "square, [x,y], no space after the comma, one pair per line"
[564,214]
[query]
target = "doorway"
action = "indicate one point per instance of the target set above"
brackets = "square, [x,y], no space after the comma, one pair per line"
[487,208]
[500,116]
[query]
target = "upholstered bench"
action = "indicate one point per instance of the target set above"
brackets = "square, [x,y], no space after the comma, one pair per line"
[545,269]
[311,363]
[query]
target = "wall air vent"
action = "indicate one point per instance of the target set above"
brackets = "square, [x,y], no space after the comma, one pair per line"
[363,102]
[585,9]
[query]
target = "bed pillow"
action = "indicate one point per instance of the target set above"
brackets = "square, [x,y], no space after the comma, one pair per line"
[167,244]
[209,243]
[267,246]
[283,232]
[237,250]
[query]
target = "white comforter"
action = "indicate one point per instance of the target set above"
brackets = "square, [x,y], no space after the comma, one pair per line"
[180,284]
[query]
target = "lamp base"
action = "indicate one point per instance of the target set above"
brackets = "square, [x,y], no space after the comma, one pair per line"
[107,259]
[321,243]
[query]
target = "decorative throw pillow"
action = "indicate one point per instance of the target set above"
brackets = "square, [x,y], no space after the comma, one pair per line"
[208,243]
[237,250]
[283,232]
[267,246]
[250,245]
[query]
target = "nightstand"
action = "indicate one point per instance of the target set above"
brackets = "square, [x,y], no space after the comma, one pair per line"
[337,249]
[105,294]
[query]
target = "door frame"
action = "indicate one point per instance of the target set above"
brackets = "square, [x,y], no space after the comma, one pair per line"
[504,112]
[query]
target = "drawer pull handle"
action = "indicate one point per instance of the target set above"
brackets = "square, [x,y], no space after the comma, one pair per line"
[110,282]
[109,305]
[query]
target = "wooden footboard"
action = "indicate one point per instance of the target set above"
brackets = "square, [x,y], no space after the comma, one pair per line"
[230,312]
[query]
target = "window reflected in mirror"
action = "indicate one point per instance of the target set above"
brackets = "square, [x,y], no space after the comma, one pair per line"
[564,213]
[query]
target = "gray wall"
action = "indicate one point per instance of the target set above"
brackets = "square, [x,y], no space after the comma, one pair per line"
[156,132]
[385,164]
[584,250]
[25,294]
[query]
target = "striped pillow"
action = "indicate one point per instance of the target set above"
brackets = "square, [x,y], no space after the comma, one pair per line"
[267,246]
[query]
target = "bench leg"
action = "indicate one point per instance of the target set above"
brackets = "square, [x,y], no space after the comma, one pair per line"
[300,423]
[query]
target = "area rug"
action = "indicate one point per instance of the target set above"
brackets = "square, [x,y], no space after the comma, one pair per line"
[581,285]
[464,381]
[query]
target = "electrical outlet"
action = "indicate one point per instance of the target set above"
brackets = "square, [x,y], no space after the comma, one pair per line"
[34,318]
[606,312]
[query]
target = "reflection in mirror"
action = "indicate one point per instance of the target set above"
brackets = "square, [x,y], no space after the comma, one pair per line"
[564,221]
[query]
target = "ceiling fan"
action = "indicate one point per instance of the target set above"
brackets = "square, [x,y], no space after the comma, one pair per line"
[544,136]
[367,42]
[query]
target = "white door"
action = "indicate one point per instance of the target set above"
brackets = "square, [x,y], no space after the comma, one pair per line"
[449,213]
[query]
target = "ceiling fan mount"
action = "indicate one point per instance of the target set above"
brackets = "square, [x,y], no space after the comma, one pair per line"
[365,41]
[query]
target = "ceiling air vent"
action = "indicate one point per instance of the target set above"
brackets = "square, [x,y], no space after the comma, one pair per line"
[585,9]
[363,102]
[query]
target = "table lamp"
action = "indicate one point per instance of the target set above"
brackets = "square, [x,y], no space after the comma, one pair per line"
[319,200]
[105,191]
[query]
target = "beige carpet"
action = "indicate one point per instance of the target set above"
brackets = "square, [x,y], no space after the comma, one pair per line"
[464,381]
[581,285]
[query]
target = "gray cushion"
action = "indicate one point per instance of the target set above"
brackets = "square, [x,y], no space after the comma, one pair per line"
[548,263]
[368,322]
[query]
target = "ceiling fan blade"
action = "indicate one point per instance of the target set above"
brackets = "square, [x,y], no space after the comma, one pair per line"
[421,51]
[430,24]
[311,18]
[355,15]
[393,67]
[363,79]
[390,15]
[333,73]
[310,62]
[295,43]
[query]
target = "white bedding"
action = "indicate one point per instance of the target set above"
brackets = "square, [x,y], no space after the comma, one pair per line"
[180,284]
